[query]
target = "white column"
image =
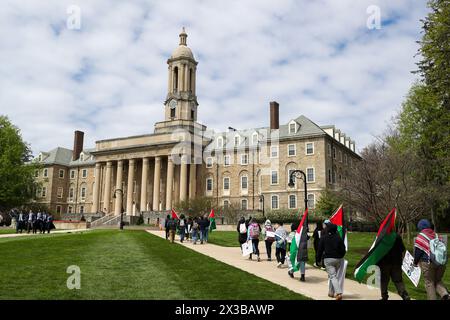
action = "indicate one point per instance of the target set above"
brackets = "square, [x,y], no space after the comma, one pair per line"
[130,187]
[96,188]
[119,194]
[144,181]
[169,183]
[183,178]
[156,183]
[107,193]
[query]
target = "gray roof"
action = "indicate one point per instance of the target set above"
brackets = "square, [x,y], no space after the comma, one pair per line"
[63,156]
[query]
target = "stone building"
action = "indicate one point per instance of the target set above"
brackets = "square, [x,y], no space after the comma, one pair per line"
[181,160]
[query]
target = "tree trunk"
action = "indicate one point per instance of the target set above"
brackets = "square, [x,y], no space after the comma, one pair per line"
[433,221]
[408,233]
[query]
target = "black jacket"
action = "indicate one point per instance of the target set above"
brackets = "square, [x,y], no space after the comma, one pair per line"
[395,255]
[331,244]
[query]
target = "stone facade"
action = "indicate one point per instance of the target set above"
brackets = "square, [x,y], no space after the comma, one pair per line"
[181,160]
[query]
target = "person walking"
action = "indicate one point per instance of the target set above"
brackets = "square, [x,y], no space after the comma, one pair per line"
[195,230]
[427,241]
[391,268]
[172,229]
[242,231]
[206,230]
[317,234]
[181,225]
[202,224]
[254,230]
[31,222]
[280,244]
[268,240]
[332,248]
[188,229]
[166,226]
[20,222]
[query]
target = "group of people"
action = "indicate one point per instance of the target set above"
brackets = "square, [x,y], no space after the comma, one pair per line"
[33,221]
[330,251]
[191,229]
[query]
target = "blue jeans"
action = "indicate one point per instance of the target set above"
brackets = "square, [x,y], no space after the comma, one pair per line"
[194,235]
[182,230]
[205,234]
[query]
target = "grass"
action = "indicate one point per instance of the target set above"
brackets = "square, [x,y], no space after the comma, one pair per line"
[130,264]
[4,230]
[358,242]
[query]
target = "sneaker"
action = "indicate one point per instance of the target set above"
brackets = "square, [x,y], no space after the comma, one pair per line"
[339,297]
[259,259]
[443,298]
[302,278]
[279,265]
[323,268]
[331,295]
[250,258]
[315,265]
[291,274]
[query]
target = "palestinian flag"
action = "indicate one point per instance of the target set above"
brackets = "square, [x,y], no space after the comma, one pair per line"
[338,219]
[212,221]
[383,243]
[301,238]
[174,215]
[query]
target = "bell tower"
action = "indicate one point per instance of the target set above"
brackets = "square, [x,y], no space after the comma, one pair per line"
[181,101]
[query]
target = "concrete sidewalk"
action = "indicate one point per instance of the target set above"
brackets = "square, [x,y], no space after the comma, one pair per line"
[315,287]
[14,235]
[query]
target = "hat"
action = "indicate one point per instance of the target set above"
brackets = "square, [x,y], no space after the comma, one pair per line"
[267,222]
[423,224]
[327,221]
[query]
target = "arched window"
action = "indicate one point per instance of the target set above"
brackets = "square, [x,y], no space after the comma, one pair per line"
[191,79]
[175,79]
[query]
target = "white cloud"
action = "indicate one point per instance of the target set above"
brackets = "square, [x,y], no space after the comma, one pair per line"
[109,79]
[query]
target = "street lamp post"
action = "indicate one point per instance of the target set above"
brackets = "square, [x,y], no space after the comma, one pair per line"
[261,199]
[121,209]
[301,175]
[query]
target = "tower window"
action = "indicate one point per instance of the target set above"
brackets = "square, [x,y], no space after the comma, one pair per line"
[175,79]
[193,114]
[172,112]
[191,79]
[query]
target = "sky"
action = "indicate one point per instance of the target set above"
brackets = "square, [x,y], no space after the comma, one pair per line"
[107,76]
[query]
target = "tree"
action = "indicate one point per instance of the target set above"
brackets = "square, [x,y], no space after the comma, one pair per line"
[194,207]
[328,202]
[16,172]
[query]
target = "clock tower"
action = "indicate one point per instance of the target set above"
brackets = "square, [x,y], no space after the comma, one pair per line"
[181,101]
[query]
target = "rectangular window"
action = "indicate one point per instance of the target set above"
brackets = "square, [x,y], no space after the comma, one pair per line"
[292,201]
[226,160]
[71,193]
[274,177]
[309,148]
[226,183]
[289,176]
[226,204]
[244,182]
[209,184]
[72,174]
[311,200]
[36,173]
[59,192]
[292,128]
[329,176]
[334,153]
[329,150]
[340,156]
[237,141]
[244,159]
[58,209]
[274,152]
[209,162]
[61,173]
[83,193]
[81,209]
[84,173]
[274,202]
[291,150]
[345,159]
[69,209]
[244,204]
[44,192]
[310,174]
[45,173]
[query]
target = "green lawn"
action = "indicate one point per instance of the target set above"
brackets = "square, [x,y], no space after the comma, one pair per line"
[4,230]
[358,242]
[115,264]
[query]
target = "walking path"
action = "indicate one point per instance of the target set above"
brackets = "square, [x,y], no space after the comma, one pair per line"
[13,235]
[315,287]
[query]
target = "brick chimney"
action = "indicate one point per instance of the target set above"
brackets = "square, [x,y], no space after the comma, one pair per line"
[77,144]
[274,115]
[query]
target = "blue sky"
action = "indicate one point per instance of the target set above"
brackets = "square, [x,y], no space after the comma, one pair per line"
[109,79]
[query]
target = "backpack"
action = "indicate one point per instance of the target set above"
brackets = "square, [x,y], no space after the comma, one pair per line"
[242,228]
[254,231]
[270,228]
[438,250]
[182,223]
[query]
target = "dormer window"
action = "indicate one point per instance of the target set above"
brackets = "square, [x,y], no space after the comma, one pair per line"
[219,142]
[237,141]
[292,127]
[255,138]
[81,157]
